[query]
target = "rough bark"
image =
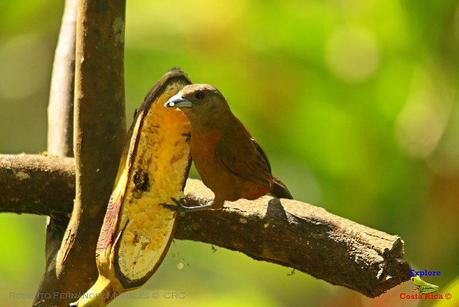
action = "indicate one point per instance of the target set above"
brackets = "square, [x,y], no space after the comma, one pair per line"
[99,131]
[60,130]
[36,184]
[286,232]
[300,236]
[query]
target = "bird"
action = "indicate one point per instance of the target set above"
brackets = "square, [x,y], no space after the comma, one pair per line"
[228,159]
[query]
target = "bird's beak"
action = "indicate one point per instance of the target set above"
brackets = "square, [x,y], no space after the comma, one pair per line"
[177,101]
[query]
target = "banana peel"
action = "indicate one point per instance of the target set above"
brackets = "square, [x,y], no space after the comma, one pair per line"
[137,229]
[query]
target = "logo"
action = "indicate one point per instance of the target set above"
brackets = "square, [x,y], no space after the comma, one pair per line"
[424,290]
[422,286]
[422,273]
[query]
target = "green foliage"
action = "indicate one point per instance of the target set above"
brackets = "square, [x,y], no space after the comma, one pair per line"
[353,101]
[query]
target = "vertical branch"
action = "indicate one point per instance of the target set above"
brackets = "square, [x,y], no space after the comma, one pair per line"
[99,129]
[60,116]
[99,118]
[60,108]
[60,130]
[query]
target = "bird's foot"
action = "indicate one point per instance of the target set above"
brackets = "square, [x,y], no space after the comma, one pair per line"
[170,207]
[180,206]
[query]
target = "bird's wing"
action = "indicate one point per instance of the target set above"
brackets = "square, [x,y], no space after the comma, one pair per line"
[262,154]
[247,161]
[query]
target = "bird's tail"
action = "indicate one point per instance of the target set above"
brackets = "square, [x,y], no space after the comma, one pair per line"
[280,190]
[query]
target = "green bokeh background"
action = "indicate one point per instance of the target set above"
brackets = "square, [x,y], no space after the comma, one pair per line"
[355,103]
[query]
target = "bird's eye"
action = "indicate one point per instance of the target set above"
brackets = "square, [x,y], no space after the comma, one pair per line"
[200,95]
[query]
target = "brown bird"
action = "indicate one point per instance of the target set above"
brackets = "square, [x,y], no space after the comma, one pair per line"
[229,160]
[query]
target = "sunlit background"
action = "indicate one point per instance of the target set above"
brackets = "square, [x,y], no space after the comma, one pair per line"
[355,103]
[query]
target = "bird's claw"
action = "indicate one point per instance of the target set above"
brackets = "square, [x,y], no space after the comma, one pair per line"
[178,207]
[178,202]
[170,207]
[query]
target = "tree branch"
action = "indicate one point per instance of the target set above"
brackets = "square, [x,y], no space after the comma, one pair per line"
[60,107]
[60,132]
[36,184]
[286,232]
[300,236]
[98,138]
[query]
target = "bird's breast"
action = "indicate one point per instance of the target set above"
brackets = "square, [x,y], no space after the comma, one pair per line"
[203,145]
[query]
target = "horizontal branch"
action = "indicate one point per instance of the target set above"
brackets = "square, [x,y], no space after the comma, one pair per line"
[301,236]
[36,184]
[286,232]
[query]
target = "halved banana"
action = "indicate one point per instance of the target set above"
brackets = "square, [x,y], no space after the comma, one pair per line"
[137,229]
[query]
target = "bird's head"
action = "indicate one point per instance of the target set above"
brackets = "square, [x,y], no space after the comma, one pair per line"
[200,102]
